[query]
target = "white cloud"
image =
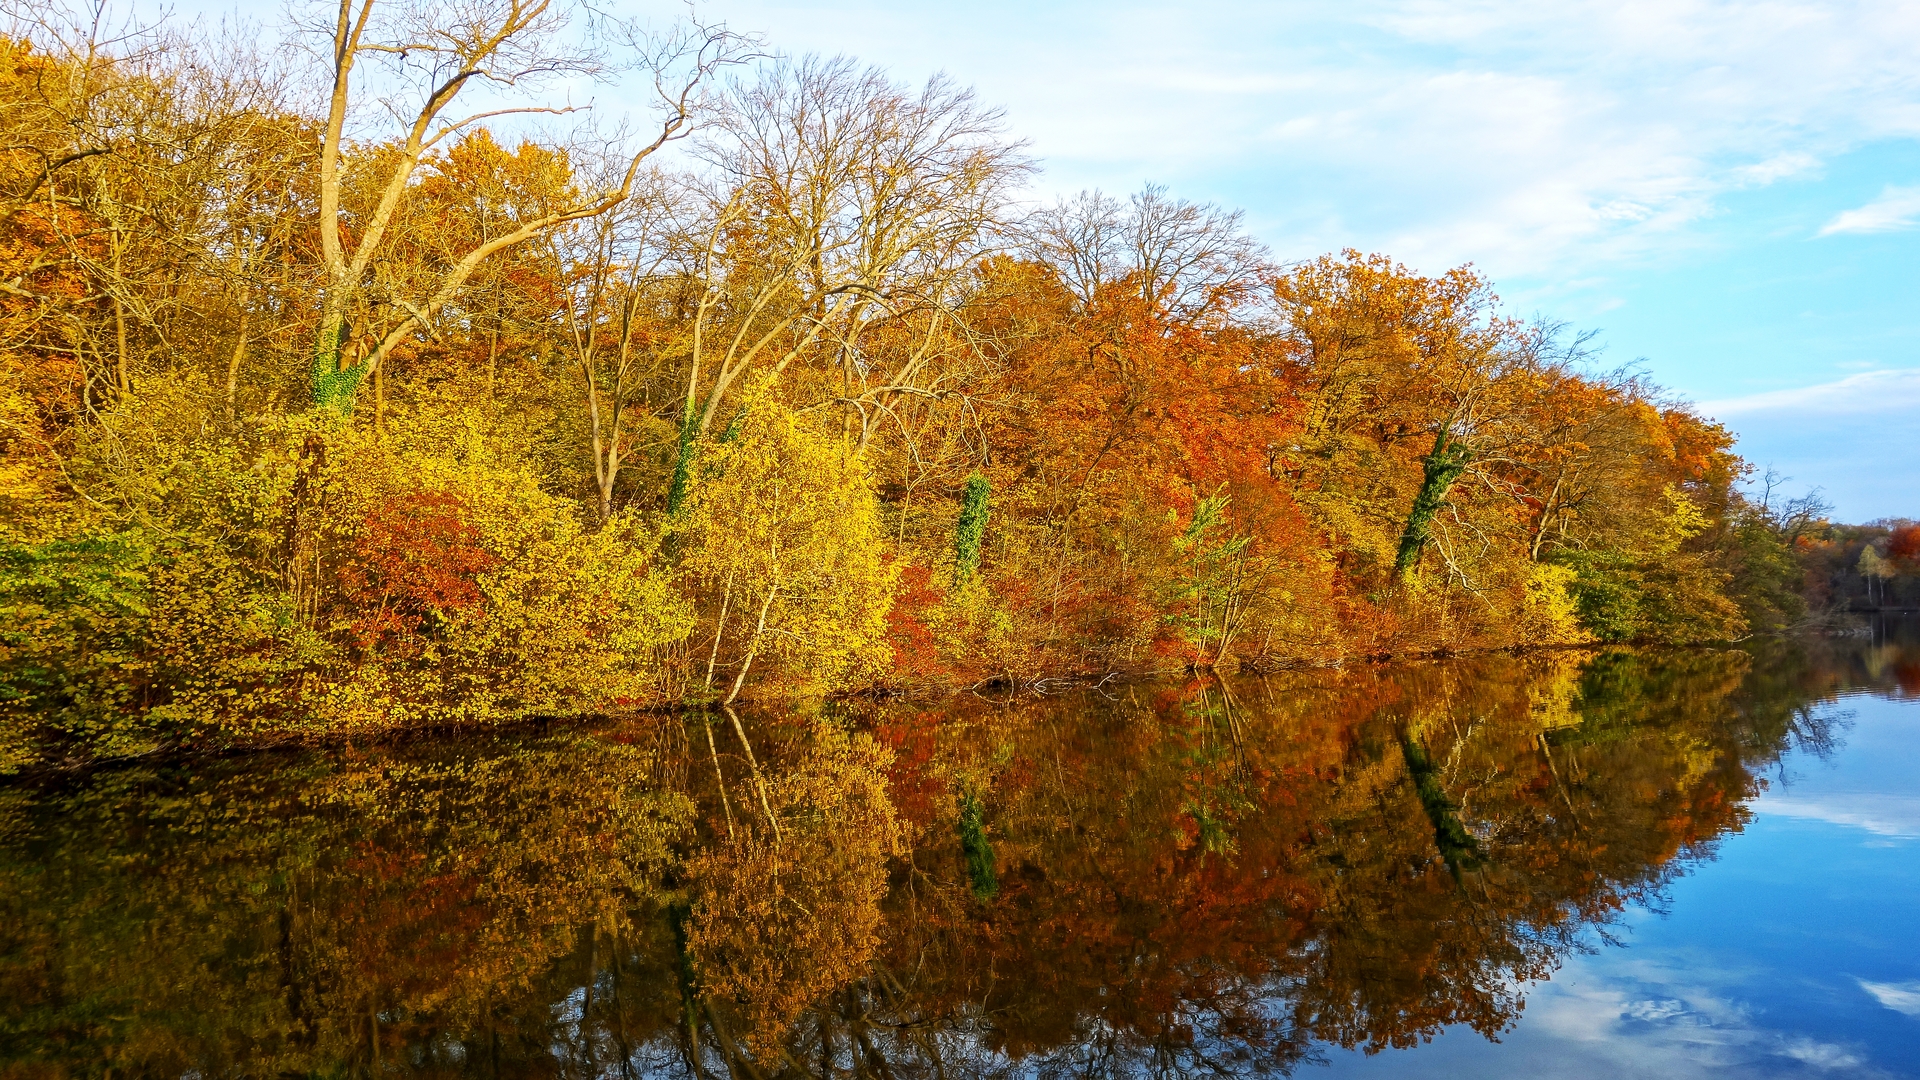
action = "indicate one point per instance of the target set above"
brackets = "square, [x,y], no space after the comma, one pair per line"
[1897,208]
[1900,997]
[1653,1011]
[1882,815]
[1820,1055]
[1888,391]
[1526,137]
[1669,1015]
[1777,167]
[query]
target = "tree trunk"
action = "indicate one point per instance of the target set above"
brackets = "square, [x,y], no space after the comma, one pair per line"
[753,648]
[233,362]
[334,386]
[719,628]
[1443,465]
[493,351]
[682,465]
[121,377]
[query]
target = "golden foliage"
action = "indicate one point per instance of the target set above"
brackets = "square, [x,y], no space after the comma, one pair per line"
[783,529]
[627,434]
[789,909]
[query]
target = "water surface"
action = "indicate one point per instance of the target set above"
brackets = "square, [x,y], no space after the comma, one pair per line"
[1681,863]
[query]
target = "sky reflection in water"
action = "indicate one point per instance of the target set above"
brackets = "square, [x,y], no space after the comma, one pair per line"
[1790,954]
[1269,875]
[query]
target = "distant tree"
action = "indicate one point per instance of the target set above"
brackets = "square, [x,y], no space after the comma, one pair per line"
[1875,568]
[1903,548]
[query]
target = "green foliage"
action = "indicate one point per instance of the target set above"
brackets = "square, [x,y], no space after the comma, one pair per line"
[1658,590]
[1766,577]
[1607,592]
[1210,602]
[1439,471]
[682,480]
[978,851]
[333,387]
[72,661]
[970,529]
[1457,845]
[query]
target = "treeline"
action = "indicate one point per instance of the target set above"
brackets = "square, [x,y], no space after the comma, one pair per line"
[378,389]
[1872,567]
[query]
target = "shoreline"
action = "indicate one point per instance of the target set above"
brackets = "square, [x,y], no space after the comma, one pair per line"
[1037,688]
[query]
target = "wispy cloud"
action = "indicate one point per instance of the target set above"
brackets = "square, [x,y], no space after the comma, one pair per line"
[1892,390]
[1820,1055]
[1778,167]
[1882,815]
[1897,208]
[1668,1015]
[1900,997]
[1525,137]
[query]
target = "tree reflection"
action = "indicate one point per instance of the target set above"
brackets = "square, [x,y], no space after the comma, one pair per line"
[787,910]
[334,911]
[1189,878]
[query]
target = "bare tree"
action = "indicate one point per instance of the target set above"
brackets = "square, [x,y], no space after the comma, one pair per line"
[1191,261]
[625,280]
[159,172]
[433,52]
[843,203]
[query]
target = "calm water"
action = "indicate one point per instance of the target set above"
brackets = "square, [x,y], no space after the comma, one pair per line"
[1698,863]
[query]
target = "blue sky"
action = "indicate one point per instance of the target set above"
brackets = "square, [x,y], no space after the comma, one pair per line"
[1727,191]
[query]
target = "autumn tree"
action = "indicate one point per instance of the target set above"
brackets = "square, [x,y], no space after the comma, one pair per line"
[1396,359]
[786,539]
[845,215]
[813,406]
[430,58]
[625,281]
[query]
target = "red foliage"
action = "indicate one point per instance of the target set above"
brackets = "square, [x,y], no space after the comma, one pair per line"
[415,560]
[914,653]
[921,793]
[1127,415]
[1903,547]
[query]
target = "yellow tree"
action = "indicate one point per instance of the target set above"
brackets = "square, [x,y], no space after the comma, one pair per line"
[1391,358]
[785,528]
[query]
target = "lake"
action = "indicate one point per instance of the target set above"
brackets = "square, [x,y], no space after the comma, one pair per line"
[1613,863]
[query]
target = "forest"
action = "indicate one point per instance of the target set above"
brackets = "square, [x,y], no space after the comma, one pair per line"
[376,383]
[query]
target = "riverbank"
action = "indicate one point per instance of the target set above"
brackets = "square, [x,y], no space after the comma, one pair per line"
[1004,691]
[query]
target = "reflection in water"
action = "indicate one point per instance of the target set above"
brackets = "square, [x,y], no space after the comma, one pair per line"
[1161,878]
